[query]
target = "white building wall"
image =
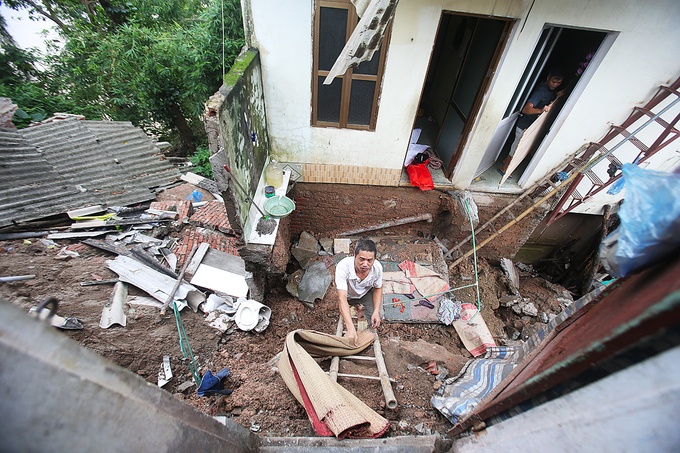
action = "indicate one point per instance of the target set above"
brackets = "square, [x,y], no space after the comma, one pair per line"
[643,55]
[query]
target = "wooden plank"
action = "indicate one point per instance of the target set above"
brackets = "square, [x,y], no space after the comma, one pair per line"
[196,260]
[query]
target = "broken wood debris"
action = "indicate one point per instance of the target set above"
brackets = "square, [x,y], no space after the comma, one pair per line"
[178,282]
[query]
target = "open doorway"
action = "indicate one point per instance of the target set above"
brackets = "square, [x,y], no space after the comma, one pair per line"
[464,58]
[571,52]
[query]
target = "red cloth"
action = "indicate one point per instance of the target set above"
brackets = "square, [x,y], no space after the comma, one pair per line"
[420,176]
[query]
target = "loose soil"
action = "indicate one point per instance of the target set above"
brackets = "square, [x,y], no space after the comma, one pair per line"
[260,397]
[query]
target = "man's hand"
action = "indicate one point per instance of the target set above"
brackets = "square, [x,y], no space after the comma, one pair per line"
[351,334]
[375,319]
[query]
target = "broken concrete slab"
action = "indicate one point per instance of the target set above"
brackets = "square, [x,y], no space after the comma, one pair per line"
[294,282]
[326,244]
[314,283]
[508,300]
[306,248]
[511,272]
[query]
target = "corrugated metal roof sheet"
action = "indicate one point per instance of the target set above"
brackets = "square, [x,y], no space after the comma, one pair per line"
[63,165]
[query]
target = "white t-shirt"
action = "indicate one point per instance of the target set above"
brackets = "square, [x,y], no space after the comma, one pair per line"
[346,278]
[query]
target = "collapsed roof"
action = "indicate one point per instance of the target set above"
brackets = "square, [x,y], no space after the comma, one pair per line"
[63,165]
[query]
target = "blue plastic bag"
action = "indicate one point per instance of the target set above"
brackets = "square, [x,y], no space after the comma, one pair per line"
[650,221]
[195,196]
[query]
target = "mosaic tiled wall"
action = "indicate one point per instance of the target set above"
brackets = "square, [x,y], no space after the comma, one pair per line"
[349,174]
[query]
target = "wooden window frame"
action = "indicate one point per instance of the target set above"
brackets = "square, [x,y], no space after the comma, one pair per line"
[349,76]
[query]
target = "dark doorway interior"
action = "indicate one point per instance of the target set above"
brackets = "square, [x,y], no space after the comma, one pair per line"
[465,54]
[570,50]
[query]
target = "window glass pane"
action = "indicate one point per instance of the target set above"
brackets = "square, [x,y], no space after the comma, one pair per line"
[328,101]
[369,67]
[332,35]
[361,102]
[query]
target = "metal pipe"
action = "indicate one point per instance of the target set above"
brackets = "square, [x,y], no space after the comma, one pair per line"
[16,278]
[335,361]
[390,399]
[405,220]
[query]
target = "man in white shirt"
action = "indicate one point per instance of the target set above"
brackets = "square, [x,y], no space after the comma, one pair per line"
[359,282]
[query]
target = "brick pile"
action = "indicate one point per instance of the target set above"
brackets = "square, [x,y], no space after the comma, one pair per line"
[212,216]
[191,236]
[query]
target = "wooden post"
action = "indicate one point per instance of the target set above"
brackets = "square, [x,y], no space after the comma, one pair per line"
[179,280]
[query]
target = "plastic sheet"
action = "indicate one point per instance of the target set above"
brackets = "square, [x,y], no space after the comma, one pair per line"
[650,221]
[420,176]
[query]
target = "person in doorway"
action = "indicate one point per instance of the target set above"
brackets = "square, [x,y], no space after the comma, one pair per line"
[358,280]
[540,100]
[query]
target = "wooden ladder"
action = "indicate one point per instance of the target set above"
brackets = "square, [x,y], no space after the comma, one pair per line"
[545,188]
[378,359]
[580,165]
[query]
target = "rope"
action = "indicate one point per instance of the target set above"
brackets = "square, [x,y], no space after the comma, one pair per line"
[185,347]
[476,283]
[474,247]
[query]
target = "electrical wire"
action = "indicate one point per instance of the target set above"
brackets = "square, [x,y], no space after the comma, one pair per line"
[474,248]
[185,347]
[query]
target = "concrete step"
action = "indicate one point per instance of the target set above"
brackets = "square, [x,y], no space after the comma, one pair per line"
[402,444]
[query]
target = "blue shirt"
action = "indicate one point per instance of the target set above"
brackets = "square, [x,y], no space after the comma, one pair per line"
[540,97]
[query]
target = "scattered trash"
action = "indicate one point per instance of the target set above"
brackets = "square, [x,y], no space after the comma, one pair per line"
[113,310]
[255,427]
[51,316]
[530,309]
[185,385]
[449,311]
[49,244]
[475,334]
[165,373]
[432,368]
[65,254]
[220,321]
[218,303]
[212,384]
[195,196]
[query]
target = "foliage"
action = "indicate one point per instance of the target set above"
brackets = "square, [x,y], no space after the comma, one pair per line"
[28,87]
[149,62]
[201,162]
